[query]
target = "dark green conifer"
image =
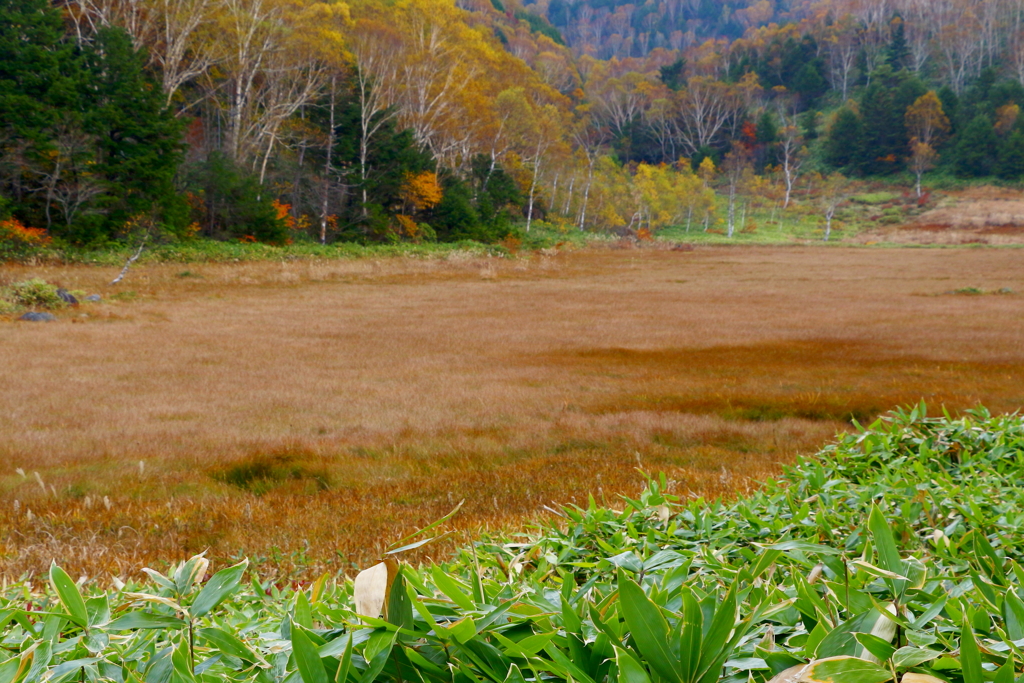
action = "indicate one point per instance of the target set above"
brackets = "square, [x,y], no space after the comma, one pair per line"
[842,147]
[976,148]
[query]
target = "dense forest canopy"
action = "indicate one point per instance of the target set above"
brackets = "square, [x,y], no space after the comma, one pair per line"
[375,120]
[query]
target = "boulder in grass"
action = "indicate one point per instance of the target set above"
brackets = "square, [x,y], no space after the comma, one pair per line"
[67,297]
[94,297]
[38,317]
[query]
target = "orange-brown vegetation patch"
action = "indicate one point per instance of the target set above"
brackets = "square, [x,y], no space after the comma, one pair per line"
[306,414]
[978,215]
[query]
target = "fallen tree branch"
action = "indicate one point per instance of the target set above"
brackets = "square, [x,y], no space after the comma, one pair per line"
[129,262]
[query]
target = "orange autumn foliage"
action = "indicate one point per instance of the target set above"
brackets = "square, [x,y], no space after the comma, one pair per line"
[12,230]
[421,190]
[284,214]
[17,239]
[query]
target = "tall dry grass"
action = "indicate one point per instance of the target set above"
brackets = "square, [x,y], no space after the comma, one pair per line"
[308,413]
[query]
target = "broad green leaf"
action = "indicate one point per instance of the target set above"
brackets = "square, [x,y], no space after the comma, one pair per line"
[801,546]
[515,675]
[341,676]
[627,560]
[845,670]
[181,665]
[630,670]
[303,614]
[841,642]
[376,664]
[906,657]
[307,659]
[970,656]
[574,671]
[885,546]
[221,585]
[463,630]
[1005,673]
[228,643]
[648,628]
[690,634]
[70,596]
[451,588]
[96,641]
[1013,615]
[879,647]
[399,610]
[715,641]
[140,619]
[65,668]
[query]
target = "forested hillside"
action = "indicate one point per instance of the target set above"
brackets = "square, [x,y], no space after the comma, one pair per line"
[280,120]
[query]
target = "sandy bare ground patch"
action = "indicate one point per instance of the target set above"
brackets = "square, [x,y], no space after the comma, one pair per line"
[325,408]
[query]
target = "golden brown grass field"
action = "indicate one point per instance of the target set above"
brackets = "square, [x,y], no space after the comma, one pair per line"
[306,414]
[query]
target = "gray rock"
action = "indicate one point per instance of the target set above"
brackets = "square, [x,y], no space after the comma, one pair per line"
[94,297]
[67,297]
[38,317]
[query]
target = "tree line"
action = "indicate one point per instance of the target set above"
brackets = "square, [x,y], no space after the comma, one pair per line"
[374,120]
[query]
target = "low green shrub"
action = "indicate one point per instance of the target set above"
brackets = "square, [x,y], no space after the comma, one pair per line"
[34,293]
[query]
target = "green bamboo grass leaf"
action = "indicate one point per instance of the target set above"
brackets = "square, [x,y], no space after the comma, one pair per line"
[713,649]
[514,675]
[649,629]
[40,660]
[450,587]
[307,659]
[879,647]
[630,670]
[907,657]
[801,546]
[181,665]
[574,672]
[69,595]
[845,670]
[72,666]
[303,615]
[144,620]
[341,676]
[1005,673]
[1013,615]
[377,662]
[987,558]
[690,634]
[764,561]
[970,655]
[13,669]
[531,645]
[463,630]
[221,585]
[840,641]
[933,611]
[399,611]
[888,551]
[227,643]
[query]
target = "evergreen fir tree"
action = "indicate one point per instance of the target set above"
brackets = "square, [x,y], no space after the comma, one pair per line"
[767,131]
[674,75]
[976,148]
[845,137]
[138,140]
[951,107]
[1010,156]
[897,54]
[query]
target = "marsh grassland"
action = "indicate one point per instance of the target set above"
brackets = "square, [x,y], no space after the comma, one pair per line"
[305,414]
